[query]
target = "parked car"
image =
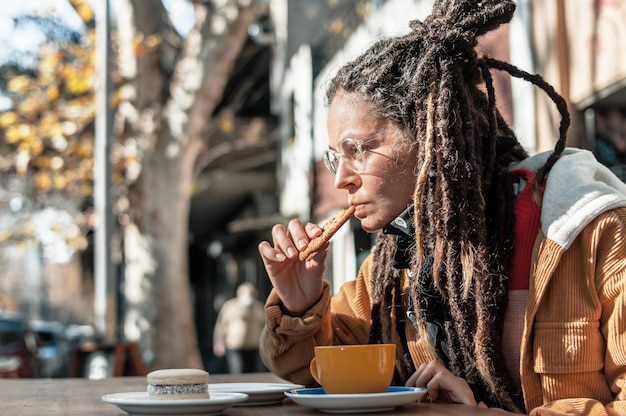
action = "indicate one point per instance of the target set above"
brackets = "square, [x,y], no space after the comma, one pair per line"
[18,357]
[53,350]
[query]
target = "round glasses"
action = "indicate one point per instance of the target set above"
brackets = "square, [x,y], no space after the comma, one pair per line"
[352,154]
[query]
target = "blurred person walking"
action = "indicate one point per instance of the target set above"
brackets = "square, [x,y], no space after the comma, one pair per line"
[238,331]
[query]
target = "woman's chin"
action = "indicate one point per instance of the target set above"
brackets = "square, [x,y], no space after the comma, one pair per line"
[370,226]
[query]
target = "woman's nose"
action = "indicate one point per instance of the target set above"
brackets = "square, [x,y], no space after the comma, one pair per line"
[345,176]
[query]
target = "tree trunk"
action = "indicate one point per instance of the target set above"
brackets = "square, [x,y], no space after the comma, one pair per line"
[166,118]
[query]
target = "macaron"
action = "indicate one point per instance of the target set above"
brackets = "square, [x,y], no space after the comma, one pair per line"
[178,383]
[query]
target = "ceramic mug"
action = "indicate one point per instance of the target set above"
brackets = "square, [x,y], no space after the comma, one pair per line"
[354,369]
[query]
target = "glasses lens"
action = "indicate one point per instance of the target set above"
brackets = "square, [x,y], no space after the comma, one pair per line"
[331,161]
[353,154]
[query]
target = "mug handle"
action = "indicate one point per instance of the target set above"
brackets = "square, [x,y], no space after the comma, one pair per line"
[313,370]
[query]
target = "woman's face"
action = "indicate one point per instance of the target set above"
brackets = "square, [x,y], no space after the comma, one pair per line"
[384,188]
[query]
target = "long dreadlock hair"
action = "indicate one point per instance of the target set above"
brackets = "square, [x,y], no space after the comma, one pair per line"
[432,83]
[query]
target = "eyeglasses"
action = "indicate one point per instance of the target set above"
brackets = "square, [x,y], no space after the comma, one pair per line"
[352,153]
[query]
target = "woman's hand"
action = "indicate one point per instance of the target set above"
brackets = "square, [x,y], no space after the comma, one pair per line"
[441,384]
[299,283]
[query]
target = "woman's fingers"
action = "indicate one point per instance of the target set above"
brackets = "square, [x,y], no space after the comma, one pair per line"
[269,253]
[283,239]
[441,384]
[288,241]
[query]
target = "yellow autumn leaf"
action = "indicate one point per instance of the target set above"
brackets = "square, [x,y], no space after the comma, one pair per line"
[28,106]
[59,182]
[52,92]
[43,162]
[36,146]
[84,149]
[19,84]
[47,120]
[49,61]
[25,146]
[43,181]
[8,119]
[85,12]
[78,85]
[25,130]
[80,108]
[56,129]
[12,134]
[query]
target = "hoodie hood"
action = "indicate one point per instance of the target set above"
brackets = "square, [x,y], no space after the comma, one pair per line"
[578,188]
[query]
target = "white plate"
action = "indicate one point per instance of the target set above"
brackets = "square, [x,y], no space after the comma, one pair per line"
[355,403]
[138,403]
[259,393]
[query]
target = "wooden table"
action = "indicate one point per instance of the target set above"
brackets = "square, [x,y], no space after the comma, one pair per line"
[76,396]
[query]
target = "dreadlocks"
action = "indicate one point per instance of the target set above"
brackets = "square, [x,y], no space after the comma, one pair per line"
[432,83]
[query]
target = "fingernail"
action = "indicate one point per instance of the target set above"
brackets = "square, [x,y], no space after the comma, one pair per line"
[291,252]
[280,257]
[301,244]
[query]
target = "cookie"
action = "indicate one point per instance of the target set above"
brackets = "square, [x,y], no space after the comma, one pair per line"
[328,230]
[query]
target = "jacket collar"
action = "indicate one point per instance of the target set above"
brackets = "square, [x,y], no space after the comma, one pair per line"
[402,226]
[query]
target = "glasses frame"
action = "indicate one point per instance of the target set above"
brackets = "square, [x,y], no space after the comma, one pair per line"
[332,158]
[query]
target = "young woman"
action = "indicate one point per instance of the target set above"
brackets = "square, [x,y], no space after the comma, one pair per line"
[501,277]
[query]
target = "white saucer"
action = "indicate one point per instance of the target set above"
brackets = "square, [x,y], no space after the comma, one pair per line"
[138,403]
[259,393]
[355,403]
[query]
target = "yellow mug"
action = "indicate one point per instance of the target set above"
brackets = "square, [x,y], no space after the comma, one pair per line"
[354,369]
